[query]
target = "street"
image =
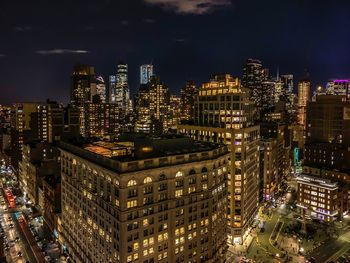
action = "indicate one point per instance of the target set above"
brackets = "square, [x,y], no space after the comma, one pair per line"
[279,239]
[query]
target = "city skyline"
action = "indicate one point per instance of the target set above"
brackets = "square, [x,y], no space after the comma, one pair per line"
[46,52]
[171,131]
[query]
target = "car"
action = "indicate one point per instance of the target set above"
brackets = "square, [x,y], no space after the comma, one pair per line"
[17,239]
[19,254]
[47,258]
[37,238]
[11,225]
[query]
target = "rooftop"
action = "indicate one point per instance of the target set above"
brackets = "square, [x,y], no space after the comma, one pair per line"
[138,151]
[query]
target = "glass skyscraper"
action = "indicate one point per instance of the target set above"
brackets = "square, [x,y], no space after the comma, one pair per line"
[146,72]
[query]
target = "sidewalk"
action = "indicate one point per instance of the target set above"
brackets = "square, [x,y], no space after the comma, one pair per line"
[239,249]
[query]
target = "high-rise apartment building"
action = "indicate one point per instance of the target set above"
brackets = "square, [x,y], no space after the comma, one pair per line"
[144,200]
[146,72]
[188,95]
[47,122]
[174,111]
[224,113]
[268,168]
[275,146]
[112,81]
[324,187]
[287,95]
[101,92]
[304,95]
[22,120]
[328,126]
[101,119]
[338,87]
[83,90]
[53,122]
[83,84]
[39,159]
[153,107]
[253,76]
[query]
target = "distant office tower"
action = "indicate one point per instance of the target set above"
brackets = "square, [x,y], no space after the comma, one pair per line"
[152,108]
[253,76]
[22,116]
[287,84]
[278,86]
[83,84]
[174,111]
[112,82]
[83,89]
[338,87]
[101,119]
[146,72]
[326,159]
[144,200]
[101,89]
[268,94]
[224,113]
[188,95]
[304,95]
[287,93]
[119,89]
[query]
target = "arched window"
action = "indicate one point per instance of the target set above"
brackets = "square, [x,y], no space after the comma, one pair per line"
[116,182]
[132,183]
[162,177]
[147,180]
[192,171]
[204,170]
[179,174]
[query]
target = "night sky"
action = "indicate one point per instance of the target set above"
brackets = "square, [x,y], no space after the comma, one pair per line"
[184,39]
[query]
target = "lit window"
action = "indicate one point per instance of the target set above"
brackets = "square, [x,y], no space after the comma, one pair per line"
[179,174]
[178,193]
[147,180]
[132,183]
[131,203]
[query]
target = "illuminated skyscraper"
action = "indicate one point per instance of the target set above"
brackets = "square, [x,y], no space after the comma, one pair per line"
[83,84]
[119,89]
[111,88]
[153,107]
[224,113]
[101,89]
[304,95]
[188,95]
[253,76]
[338,87]
[146,72]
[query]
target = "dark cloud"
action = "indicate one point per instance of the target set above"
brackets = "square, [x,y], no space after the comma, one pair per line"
[61,51]
[22,28]
[197,7]
[149,20]
[124,22]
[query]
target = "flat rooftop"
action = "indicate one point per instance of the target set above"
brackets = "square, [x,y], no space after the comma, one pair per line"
[314,180]
[133,148]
